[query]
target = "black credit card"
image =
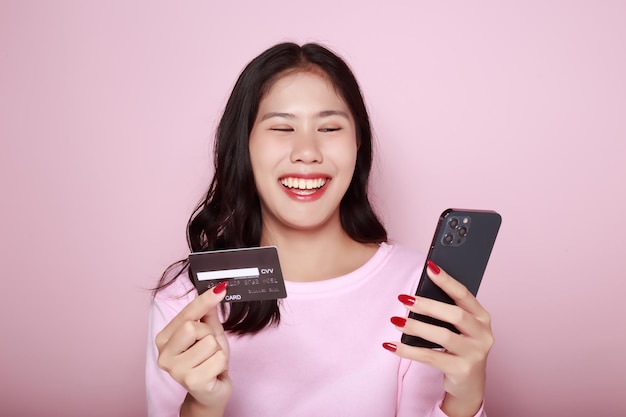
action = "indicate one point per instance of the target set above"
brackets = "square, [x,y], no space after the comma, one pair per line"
[253,274]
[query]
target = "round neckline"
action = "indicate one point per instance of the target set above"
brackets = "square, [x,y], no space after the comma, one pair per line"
[358,276]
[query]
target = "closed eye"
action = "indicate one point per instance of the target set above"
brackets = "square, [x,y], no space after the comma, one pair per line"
[329,129]
[281,129]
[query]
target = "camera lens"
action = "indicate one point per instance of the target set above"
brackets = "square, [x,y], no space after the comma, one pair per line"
[463,231]
[454,222]
[448,239]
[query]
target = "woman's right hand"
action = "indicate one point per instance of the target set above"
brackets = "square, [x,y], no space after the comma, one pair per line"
[194,350]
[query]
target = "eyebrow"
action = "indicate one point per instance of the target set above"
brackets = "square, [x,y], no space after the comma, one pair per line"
[325,113]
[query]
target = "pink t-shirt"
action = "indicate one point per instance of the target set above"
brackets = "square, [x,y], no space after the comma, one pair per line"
[325,357]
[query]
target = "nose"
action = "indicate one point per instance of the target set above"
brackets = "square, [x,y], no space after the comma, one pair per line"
[305,148]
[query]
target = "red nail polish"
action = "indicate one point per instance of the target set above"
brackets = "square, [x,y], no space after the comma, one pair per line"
[407,300]
[390,347]
[433,267]
[221,287]
[398,321]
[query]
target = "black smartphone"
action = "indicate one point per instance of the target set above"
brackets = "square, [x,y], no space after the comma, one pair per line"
[461,245]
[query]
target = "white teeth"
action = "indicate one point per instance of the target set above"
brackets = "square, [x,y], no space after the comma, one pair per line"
[303,184]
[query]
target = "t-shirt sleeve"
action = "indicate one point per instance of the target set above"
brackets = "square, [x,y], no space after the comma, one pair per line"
[163,394]
[420,392]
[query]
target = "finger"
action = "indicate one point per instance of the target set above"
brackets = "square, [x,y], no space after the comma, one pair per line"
[194,311]
[217,329]
[464,321]
[187,334]
[457,291]
[215,365]
[202,375]
[202,350]
[436,358]
[180,365]
[206,375]
[442,336]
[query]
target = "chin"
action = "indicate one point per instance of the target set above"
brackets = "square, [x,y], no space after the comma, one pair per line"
[311,224]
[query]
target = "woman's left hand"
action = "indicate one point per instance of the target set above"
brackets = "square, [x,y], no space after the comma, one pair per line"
[463,360]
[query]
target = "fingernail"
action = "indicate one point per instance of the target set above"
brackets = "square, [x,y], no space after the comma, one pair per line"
[398,321]
[221,287]
[406,299]
[433,267]
[390,347]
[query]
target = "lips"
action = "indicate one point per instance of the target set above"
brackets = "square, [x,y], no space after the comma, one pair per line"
[308,188]
[303,183]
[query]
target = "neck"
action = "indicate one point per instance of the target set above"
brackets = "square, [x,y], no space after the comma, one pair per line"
[316,255]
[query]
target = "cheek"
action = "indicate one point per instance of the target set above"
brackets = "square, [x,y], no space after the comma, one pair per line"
[345,156]
[265,155]
[258,151]
[257,167]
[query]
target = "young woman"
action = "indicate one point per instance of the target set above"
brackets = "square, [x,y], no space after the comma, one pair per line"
[293,154]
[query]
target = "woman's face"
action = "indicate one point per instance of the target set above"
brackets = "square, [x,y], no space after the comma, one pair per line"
[303,149]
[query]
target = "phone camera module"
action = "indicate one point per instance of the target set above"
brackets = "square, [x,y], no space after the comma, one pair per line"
[456,231]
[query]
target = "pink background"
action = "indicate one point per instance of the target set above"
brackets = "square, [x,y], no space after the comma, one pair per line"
[107,110]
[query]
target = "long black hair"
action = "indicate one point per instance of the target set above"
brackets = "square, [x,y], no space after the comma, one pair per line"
[230,214]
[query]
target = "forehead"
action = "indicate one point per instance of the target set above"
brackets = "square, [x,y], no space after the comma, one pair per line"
[313,85]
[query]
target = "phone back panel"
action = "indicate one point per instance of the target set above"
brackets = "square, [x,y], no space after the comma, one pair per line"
[461,245]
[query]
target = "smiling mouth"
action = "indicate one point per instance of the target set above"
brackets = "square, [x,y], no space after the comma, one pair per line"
[303,184]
